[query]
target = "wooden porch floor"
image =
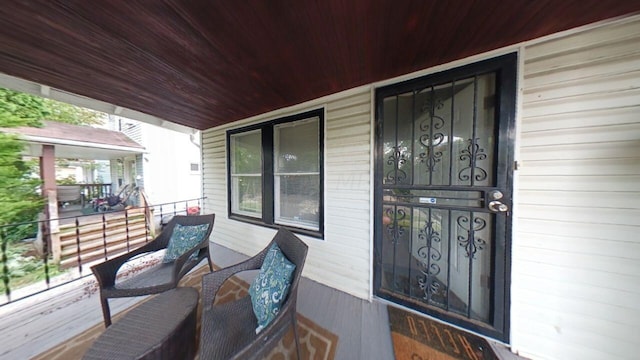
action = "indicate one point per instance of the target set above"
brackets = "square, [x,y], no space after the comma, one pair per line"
[64,324]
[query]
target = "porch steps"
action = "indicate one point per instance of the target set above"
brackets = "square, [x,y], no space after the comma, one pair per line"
[119,233]
[91,251]
[69,239]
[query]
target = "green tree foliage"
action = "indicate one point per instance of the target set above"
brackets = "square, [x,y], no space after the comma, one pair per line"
[19,199]
[18,109]
[70,114]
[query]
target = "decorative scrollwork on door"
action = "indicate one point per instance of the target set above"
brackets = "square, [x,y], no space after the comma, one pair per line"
[397,158]
[394,229]
[432,136]
[429,156]
[430,105]
[429,255]
[471,242]
[472,154]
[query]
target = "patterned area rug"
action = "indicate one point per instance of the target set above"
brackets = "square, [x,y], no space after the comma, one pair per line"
[316,342]
[419,338]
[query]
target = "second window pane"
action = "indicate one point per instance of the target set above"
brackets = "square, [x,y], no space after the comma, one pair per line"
[297,177]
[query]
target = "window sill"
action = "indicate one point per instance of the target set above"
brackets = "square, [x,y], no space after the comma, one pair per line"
[315,234]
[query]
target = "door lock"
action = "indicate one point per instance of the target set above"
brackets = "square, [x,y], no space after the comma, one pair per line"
[497,206]
[495,195]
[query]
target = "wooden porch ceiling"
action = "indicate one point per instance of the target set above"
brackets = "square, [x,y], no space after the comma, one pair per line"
[204,63]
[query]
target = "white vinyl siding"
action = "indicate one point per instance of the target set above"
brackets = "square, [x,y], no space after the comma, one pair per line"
[342,259]
[132,129]
[576,248]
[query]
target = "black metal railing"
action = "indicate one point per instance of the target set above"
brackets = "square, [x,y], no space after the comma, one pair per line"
[37,256]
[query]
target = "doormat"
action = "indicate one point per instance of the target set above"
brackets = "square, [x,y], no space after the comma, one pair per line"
[420,338]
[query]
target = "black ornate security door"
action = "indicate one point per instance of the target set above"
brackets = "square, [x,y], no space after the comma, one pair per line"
[443,194]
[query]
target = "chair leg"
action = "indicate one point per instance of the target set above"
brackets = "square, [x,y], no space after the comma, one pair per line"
[106,312]
[209,262]
[295,335]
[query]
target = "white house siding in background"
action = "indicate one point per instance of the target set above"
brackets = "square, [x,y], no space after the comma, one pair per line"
[168,176]
[342,259]
[576,255]
[165,167]
[576,249]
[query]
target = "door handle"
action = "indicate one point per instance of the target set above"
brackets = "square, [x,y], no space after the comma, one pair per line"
[497,206]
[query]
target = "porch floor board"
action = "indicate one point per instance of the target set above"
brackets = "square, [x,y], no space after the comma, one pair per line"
[32,326]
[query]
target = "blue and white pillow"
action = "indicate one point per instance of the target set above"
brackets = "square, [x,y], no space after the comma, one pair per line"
[182,239]
[270,288]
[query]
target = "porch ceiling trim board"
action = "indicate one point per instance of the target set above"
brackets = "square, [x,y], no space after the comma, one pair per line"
[202,64]
[30,87]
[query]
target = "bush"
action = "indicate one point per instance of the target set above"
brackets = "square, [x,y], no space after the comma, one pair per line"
[24,267]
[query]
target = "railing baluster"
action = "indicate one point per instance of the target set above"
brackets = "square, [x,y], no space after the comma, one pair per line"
[46,234]
[146,222]
[77,222]
[104,236]
[5,260]
[126,225]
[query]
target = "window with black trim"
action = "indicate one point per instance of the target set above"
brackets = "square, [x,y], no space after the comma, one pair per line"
[275,173]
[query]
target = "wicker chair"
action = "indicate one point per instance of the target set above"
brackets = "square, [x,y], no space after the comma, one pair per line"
[228,330]
[159,278]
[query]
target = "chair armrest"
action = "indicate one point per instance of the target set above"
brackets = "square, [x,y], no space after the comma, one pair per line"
[269,336]
[107,271]
[179,269]
[212,282]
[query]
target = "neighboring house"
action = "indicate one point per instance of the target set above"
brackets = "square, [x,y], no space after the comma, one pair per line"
[56,140]
[169,170]
[513,184]
[129,152]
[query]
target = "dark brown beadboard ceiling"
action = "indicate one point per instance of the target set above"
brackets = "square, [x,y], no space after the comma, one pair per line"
[202,63]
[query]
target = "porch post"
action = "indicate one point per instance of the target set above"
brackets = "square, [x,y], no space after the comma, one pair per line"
[50,193]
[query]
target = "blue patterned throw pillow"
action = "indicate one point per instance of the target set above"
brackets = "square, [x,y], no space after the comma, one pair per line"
[182,239]
[270,288]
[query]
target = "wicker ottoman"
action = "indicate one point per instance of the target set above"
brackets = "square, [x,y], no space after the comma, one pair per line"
[163,327]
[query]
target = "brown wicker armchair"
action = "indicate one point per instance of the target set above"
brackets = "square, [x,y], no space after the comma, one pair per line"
[228,330]
[159,278]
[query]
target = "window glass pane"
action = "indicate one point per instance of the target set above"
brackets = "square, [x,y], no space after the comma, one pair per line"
[296,146]
[298,200]
[296,173]
[246,173]
[246,195]
[246,153]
